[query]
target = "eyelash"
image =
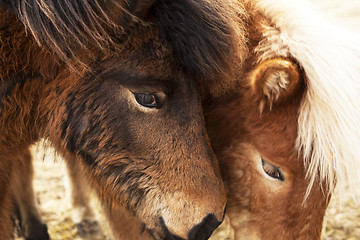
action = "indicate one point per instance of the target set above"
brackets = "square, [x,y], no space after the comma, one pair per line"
[272,171]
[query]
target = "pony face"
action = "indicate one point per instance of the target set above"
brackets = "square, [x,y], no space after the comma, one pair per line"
[128,116]
[263,172]
[136,129]
[286,138]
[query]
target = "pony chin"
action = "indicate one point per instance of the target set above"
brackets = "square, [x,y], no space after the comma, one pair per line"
[328,124]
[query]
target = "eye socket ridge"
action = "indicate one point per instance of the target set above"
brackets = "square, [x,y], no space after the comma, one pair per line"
[149,100]
[272,171]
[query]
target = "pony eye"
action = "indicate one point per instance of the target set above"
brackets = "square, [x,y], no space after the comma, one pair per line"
[149,100]
[272,170]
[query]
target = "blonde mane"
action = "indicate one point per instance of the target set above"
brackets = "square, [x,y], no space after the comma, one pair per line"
[329,116]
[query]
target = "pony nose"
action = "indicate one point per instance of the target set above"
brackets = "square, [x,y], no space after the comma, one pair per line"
[201,231]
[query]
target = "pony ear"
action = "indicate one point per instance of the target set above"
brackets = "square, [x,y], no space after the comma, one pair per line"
[274,81]
[140,8]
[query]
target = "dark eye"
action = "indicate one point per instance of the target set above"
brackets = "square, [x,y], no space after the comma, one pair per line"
[149,100]
[272,170]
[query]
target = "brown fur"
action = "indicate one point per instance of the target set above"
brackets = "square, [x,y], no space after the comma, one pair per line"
[19,53]
[92,117]
[131,228]
[259,121]
[274,81]
[258,207]
[5,199]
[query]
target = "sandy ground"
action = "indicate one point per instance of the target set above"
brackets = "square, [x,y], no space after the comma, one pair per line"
[342,219]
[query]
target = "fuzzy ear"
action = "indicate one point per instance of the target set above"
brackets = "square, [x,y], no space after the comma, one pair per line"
[274,81]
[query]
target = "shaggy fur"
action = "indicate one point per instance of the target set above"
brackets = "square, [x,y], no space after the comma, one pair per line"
[64,26]
[329,130]
[217,32]
[92,117]
[204,34]
[288,67]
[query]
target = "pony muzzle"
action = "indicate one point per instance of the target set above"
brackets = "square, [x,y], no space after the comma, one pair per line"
[200,231]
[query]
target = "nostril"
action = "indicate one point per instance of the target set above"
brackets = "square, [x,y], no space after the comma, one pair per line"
[203,230]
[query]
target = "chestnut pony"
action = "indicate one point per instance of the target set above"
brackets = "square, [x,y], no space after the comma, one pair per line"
[290,132]
[113,85]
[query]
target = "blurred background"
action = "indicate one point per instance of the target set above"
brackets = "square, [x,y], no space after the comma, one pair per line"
[342,219]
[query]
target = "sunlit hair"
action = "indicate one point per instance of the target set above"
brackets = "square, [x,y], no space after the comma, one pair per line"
[329,116]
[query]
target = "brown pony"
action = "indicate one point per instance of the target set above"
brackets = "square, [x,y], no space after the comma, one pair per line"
[290,132]
[114,89]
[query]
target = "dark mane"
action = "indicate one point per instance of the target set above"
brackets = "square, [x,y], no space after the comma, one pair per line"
[202,34]
[205,35]
[64,26]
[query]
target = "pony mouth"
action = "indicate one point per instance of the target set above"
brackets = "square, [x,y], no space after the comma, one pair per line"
[166,234]
[200,231]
